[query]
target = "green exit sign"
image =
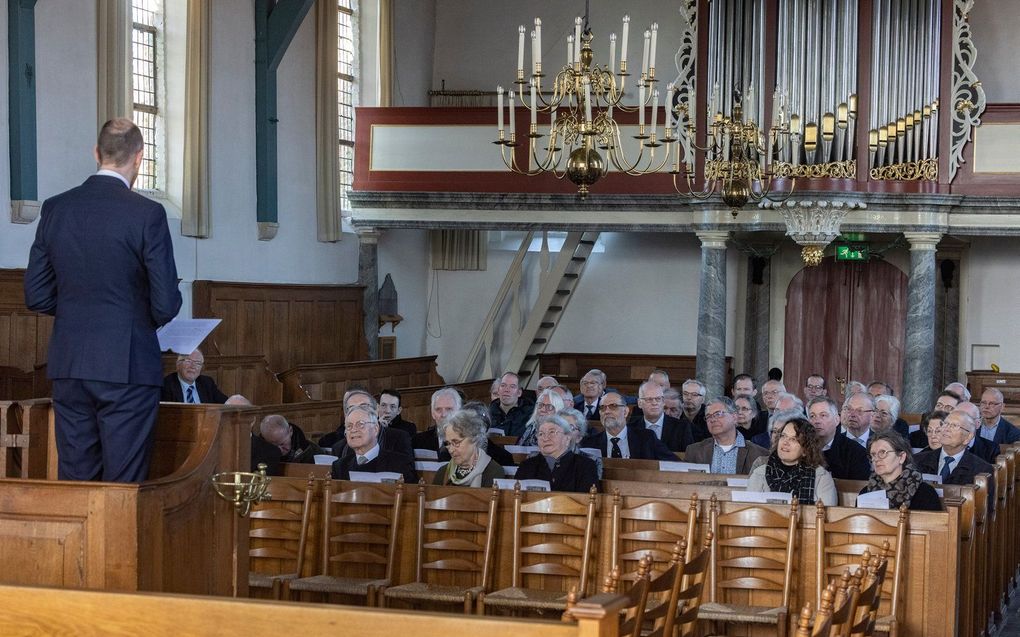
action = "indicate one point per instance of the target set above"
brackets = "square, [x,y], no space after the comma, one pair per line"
[851,252]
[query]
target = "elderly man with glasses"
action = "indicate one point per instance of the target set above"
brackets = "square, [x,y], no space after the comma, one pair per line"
[620,440]
[953,462]
[652,415]
[692,392]
[361,431]
[727,451]
[995,428]
[188,385]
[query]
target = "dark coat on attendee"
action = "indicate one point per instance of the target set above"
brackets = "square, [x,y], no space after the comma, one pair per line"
[403,425]
[701,453]
[573,472]
[390,439]
[511,422]
[676,434]
[208,392]
[428,439]
[963,472]
[386,461]
[919,439]
[579,406]
[642,443]
[846,459]
[1005,432]
[698,425]
[302,451]
[984,449]
[902,428]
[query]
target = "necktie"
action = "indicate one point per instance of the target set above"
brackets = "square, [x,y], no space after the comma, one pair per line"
[362,460]
[591,411]
[616,453]
[190,396]
[656,430]
[945,468]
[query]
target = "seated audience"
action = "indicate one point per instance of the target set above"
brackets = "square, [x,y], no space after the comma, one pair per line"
[592,386]
[984,449]
[495,450]
[770,392]
[744,387]
[945,402]
[394,440]
[509,411]
[578,430]
[671,401]
[929,435]
[995,428]
[747,416]
[444,402]
[549,402]
[693,415]
[188,385]
[353,397]
[620,441]
[853,387]
[283,442]
[466,437]
[726,451]
[953,462]
[390,410]
[675,433]
[896,474]
[564,469]
[796,466]
[361,431]
[845,459]
[546,382]
[814,387]
[776,422]
[960,390]
[887,416]
[856,417]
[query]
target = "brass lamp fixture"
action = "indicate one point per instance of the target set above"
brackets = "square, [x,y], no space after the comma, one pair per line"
[242,489]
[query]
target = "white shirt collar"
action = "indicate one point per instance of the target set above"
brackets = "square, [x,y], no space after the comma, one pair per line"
[956,459]
[622,435]
[658,423]
[184,388]
[114,173]
[372,453]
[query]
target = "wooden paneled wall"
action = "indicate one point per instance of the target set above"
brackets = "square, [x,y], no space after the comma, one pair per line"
[624,372]
[24,335]
[288,324]
[330,381]
[1008,383]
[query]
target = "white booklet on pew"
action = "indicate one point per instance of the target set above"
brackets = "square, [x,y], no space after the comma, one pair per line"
[873,500]
[591,452]
[183,336]
[426,454]
[428,465]
[526,485]
[761,497]
[932,477]
[523,449]
[740,483]
[496,431]
[684,467]
[382,476]
[510,471]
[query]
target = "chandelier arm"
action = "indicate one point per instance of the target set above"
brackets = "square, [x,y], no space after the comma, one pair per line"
[701,195]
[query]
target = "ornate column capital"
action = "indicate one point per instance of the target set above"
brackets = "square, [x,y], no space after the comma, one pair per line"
[923,240]
[715,239]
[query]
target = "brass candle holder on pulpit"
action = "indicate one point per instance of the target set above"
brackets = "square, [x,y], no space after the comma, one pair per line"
[243,489]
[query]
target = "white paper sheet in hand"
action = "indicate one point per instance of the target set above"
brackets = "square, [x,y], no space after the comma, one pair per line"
[873,500]
[184,335]
[764,497]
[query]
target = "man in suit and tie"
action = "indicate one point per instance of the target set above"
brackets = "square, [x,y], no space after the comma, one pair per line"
[361,431]
[389,439]
[846,459]
[671,431]
[995,428]
[953,462]
[103,265]
[620,441]
[188,385]
[593,385]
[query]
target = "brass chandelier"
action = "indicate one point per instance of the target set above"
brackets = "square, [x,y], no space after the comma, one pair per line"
[573,132]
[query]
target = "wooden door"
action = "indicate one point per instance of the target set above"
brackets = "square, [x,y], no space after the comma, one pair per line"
[846,320]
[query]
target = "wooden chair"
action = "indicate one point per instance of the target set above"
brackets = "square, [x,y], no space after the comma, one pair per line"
[662,586]
[552,552]
[818,624]
[358,542]
[873,571]
[842,596]
[752,552]
[632,615]
[456,534]
[685,600]
[846,539]
[278,537]
[649,527]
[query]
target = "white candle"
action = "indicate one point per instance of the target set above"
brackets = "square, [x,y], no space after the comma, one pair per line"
[499,92]
[776,107]
[534,52]
[587,100]
[623,42]
[670,92]
[751,108]
[655,111]
[570,49]
[513,107]
[713,105]
[655,33]
[644,56]
[538,43]
[612,52]
[641,104]
[534,111]
[577,39]
[520,48]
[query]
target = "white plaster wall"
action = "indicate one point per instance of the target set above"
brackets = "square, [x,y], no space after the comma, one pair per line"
[403,255]
[414,29]
[990,303]
[995,25]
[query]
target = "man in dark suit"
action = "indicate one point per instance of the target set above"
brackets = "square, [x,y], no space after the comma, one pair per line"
[953,462]
[620,441]
[280,441]
[362,430]
[675,434]
[103,264]
[693,394]
[353,397]
[188,385]
[846,459]
[593,385]
[389,413]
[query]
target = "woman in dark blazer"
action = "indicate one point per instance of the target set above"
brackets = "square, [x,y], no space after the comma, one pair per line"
[556,463]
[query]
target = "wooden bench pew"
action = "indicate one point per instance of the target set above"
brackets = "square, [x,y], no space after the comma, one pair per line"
[329,381]
[417,401]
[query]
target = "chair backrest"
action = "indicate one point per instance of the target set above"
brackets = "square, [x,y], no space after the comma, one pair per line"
[553,536]
[843,596]
[814,625]
[360,539]
[873,572]
[645,525]
[278,535]
[688,594]
[456,534]
[662,589]
[632,614]
[843,541]
[752,551]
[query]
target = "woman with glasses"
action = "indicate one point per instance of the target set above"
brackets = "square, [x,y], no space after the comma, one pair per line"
[578,430]
[556,463]
[895,473]
[549,402]
[927,437]
[796,466]
[747,411]
[466,439]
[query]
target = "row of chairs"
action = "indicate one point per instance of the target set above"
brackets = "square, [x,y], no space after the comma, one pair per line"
[749,552]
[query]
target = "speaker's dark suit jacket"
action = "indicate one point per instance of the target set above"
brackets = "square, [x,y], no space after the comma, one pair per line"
[963,471]
[676,433]
[384,462]
[207,390]
[390,439]
[572,472]
[847,460]
[642,443]
[429,440]
[103,264]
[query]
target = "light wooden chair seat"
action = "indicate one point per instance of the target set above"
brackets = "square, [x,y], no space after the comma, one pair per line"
[433,592]
[517,597]
[341,585]
[740,614]
[276,544]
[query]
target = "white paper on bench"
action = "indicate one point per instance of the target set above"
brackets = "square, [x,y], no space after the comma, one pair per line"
[873,500]
[737,482]
[496,431]
[526,485]
[521,449]
[591,452]
[382,476]
[510,471]
[427,465]
[324,458]
[426,454]
[684,467]
[764,497]
[932,477]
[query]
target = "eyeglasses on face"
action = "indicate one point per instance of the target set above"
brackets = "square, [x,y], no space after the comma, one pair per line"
[716,415]
[692,394]
[789,438]
[881,454]
[358,426]
[550,433]
[989,403]
[590,383]
[546,407]
[815,387]
[611,406]
[454,443]
[191,361]
[858,412]
[651,399]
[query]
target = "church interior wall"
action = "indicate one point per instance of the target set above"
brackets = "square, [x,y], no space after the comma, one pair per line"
[414,37]
[990,304]
[994,26]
